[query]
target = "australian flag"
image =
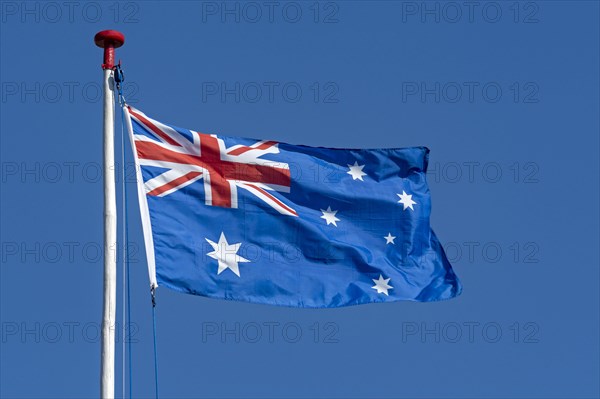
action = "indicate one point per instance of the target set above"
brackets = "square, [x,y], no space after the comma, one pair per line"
[273,223]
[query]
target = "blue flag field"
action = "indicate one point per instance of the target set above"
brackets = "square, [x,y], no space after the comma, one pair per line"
[273,223]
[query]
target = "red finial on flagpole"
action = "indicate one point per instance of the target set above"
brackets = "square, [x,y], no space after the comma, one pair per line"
[109,40]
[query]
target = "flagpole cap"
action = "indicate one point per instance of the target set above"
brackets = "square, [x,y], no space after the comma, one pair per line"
[109,38]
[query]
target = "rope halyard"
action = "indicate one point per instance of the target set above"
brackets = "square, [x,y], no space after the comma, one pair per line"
[124,260]
[153,293]
[119,78]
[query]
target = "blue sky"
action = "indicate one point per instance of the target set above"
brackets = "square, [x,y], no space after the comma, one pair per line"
[506,96]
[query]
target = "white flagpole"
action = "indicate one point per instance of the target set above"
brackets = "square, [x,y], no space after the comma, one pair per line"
[109,40]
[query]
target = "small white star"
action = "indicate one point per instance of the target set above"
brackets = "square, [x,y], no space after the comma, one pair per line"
[329,216]
[356,171]
[226,255]
[382,285]
[406,200]
[389,239]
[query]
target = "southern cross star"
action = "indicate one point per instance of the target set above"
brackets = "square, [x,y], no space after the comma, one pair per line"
[226,255]
[406,200]
[329,216]
[382,285]
[356,171]
[389,239]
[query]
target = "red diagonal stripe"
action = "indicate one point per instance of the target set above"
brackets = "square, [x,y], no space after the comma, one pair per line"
[273,199]
[153,128]
[174,183]
[242,150]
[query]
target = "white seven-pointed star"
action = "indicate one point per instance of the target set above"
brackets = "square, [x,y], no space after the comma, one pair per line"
[226,255]
[356,171]
[406,200]
[382,285]
[389,239]
[329,216]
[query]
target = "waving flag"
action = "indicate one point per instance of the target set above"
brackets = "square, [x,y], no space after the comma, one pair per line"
[274,223]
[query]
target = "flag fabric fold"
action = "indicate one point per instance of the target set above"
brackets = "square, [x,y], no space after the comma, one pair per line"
[274,223]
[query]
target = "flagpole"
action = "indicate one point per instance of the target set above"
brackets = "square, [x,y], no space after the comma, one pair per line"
[109,40]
